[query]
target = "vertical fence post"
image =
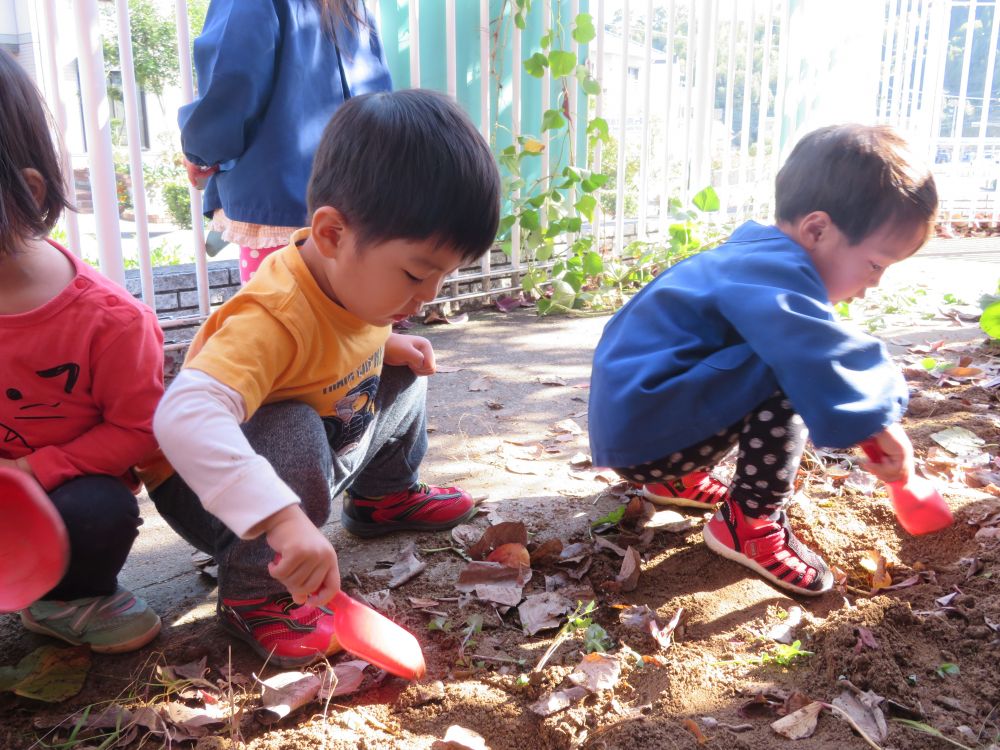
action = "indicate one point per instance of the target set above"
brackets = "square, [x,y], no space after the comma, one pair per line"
[704,119]
[668,121]
[622,134]
[515,127]
[53,72]
[647,48]
[486,265]
[97,126]
[138,187]
[187,87]
[413,8]
[727,115]
[689,75]
[599,113]
[746,191]
[763,104]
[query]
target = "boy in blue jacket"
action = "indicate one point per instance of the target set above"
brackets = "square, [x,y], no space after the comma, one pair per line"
[741,346]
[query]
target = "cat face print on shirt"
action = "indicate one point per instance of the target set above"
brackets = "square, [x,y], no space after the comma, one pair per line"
[34,401]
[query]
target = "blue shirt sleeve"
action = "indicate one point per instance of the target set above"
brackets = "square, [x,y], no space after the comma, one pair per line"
[235,62]
[841,381]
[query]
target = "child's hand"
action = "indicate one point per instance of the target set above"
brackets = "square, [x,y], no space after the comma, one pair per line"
[897,464]
[415,352]
[306,562]
[19,464]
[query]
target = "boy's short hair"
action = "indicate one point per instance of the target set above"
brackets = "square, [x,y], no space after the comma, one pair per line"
[408,165]
[25,141]
[863,176]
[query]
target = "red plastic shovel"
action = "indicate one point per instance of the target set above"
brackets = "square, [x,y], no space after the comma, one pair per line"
[34,547]
[375,638]
[918,505]
[364,632]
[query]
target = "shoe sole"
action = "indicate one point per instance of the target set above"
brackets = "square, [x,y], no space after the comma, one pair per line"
[133,644]
[682,502]
[366,530]
[720,548]
[285,662]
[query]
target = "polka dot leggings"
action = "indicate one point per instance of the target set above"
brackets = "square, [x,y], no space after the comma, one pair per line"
[770,439]
[251,258]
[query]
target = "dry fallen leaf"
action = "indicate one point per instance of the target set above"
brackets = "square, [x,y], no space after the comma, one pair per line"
[512,554]
[494,582]
[284,693]
[874,562]
[504,532]
[800,724]
[545,551]
[567,426]
[543,611]
[692,726]
[865,709]
[628,576]
[664,636]
[597,672]
[557,701]
[407,566]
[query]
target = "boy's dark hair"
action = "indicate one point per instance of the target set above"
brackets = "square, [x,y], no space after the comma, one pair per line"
[863,176]
[408,165]
[25,141]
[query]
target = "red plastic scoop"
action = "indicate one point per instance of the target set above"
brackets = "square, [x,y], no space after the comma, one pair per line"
[918,505]
[375,638]
[34,547]
[364,632]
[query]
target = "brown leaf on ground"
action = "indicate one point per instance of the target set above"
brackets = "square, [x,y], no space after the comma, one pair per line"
[557,701]
[567,426]
[285,693]
[664,636]
[407,566]
[543,611]
[866,639]
[800,724]
[494,582]
[692,726]
[512,554]
[874,562]
[597,672]
[628,576]
[498,534]
[865,709]
[546,551]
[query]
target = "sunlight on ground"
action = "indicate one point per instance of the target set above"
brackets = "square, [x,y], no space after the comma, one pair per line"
[203,611]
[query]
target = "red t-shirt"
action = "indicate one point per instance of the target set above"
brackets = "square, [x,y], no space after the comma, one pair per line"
[80,378]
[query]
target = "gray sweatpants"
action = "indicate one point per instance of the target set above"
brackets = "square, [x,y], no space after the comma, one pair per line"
[292,437]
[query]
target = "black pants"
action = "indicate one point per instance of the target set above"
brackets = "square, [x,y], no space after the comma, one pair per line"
[102,519]
[770,438]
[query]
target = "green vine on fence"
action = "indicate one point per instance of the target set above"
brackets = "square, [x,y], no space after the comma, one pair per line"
[566,270]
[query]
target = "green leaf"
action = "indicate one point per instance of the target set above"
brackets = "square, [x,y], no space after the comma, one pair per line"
[990,321]
[928,363]
[506,223]
[583,28]
[590,85]
[707,200]
[536,65]
[575,279]
[598,128]
[530,220]
[586,206]
[612,518]
[49,673]
[563,295]
[593,264]
[519,21]
[594,182]
[574,224]
[545,251]
[552,120]
[561,62]
[947,668]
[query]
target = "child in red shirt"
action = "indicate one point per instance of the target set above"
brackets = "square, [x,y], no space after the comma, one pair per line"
[81,372]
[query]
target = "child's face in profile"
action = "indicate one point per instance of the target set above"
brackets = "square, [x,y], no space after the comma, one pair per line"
[389,281]
[848,271]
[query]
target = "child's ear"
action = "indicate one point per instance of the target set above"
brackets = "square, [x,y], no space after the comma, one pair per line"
[36,184]
[813,227]
[330,231]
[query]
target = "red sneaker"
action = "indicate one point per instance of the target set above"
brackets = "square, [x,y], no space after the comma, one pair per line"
[698,489]
[420,508]
[283,632]
[769,548]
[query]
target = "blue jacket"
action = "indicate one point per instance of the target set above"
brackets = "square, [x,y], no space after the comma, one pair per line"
[269,79]
[712,337]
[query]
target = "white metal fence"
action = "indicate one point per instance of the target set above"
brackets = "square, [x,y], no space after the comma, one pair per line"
[696,92]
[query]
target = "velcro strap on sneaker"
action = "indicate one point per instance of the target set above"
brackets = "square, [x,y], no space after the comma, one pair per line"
[764,546]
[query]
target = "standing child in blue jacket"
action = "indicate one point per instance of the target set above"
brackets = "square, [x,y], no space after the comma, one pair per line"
[740,345]
[271,73]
